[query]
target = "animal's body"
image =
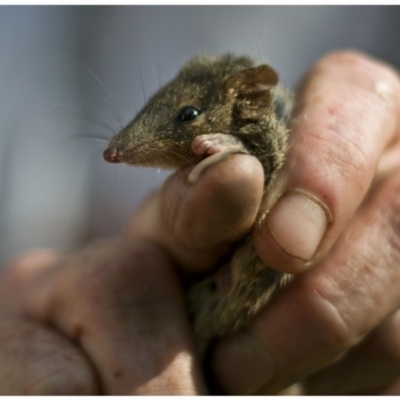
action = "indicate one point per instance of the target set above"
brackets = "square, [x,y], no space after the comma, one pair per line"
[214,107]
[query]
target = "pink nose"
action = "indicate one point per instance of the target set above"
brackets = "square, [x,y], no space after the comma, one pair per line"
[112,155]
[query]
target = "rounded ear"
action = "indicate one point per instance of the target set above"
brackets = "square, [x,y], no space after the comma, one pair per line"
[252,79]
[250,89]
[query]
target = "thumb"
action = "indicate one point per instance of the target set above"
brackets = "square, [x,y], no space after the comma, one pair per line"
[347,114]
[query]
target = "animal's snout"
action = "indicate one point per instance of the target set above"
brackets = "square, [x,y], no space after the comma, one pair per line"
[113,155]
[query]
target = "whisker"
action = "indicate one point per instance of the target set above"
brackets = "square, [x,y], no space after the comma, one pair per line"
[134,104]
[94,138]
[142,83]
[99,81]
[56,143]
[145,162]
[83,118]
[159,75]
[115,112]
[112,105]
[91,117]
[84,136]
[260,33]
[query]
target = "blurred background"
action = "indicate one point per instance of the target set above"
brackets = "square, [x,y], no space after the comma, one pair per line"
[71,74]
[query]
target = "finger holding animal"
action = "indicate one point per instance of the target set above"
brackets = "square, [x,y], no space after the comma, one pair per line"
[346,122]
[327,311]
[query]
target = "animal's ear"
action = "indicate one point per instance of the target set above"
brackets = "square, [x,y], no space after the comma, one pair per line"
[251,90]
[252,80]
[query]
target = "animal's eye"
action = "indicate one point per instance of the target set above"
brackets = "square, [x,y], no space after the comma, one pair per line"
[188,114]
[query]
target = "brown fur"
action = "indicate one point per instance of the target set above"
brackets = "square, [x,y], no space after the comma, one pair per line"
[239,100]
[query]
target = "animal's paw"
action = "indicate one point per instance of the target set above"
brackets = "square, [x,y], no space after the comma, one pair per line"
[216,146]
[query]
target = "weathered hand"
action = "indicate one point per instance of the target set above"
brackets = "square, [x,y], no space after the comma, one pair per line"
[336,218]
[109,319]
[345,156]
[336,215]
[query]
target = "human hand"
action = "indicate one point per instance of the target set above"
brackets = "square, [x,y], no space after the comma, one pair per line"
[345,154]
[201,228]
[344,311]
[109,319]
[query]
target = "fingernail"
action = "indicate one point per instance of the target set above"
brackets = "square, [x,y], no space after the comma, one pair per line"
[298,222]
[242,365]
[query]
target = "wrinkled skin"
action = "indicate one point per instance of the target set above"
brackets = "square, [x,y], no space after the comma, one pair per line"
[111,318]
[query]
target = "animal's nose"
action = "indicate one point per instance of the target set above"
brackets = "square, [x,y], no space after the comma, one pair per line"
[112,155]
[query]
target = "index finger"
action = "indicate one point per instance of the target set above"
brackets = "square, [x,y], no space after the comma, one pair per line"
[347,114]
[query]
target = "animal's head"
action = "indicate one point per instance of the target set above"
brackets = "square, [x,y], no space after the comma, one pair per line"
[209,95]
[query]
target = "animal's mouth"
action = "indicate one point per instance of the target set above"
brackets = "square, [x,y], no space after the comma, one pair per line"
[151,154]
[141,152]
[162,153]
[133,157]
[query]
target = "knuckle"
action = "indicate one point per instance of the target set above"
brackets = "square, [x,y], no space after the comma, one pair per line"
[25,264]
[367,68]
[346,56]
[358,59]
[321,301]
[353,160]
[17,276]
[345,159]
